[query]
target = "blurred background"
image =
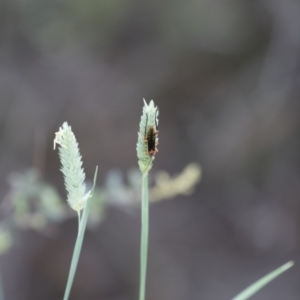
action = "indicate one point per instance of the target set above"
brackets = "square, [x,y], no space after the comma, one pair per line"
[225,76]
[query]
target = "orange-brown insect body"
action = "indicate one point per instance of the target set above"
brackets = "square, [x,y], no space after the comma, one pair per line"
[151,141]
[151,138]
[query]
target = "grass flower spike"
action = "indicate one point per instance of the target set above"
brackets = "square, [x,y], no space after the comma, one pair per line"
[71,167]
[147,137]
[146,149]
[77,198]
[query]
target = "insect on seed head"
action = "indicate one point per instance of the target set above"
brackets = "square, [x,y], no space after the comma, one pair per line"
[147,137]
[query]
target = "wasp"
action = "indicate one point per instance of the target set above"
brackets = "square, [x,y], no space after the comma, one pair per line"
[150,137]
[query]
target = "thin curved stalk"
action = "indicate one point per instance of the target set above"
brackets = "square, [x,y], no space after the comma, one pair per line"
[79,241]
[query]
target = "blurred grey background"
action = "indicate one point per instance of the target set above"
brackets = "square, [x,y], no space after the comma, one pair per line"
[225,75]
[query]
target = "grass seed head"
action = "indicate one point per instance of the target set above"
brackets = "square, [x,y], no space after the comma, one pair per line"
[149,121]
[71,167]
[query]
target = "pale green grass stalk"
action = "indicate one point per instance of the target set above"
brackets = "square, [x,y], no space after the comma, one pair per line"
[79,240]
[255,287]
[144,236]
[146,149]
[77,197]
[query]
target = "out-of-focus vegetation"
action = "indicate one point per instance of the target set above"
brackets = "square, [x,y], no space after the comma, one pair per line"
[31,203]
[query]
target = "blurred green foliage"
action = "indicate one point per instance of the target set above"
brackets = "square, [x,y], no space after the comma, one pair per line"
[31,203]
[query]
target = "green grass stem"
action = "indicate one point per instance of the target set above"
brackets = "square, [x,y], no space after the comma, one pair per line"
[144,236]
[79,240]
[256,286]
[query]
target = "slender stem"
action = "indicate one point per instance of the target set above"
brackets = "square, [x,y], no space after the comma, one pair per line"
[79,240]
[79,216]
[259,284]
[144,236]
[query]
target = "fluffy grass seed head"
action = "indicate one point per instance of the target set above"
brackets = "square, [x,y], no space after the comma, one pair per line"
[149,119]
[72,170]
